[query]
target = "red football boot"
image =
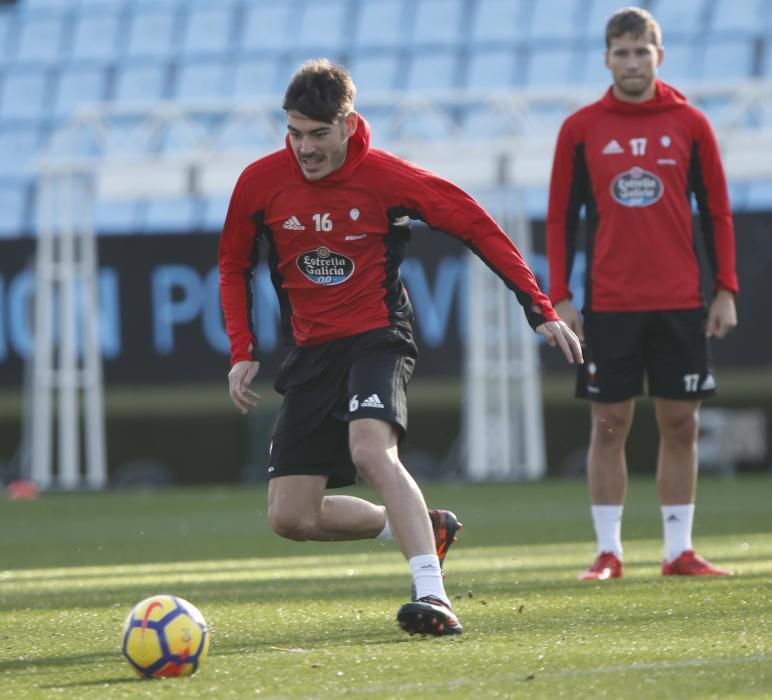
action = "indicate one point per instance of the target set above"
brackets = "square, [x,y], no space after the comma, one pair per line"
[607,565]
[689,563]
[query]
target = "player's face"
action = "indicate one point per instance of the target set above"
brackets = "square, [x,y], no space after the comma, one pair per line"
[320,147]
[633,62]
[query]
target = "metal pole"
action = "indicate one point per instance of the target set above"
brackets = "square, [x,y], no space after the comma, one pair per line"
[476,404]
[507,463]
[535,466]
[41,471]
[96,469]
[69,433]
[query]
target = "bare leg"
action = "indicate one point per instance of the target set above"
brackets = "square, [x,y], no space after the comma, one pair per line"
[678,423]
[606,461]
[374,451]
[299,510]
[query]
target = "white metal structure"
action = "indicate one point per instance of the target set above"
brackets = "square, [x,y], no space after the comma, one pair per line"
[496,142]
[503,410]
[66,292]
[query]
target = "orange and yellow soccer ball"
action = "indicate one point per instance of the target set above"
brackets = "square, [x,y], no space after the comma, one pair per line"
[165,636]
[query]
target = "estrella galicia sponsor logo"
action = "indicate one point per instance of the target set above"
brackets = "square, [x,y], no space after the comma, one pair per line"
[637,188]
[325,266]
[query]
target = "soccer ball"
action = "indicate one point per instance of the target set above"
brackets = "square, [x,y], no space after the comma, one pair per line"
[165,636]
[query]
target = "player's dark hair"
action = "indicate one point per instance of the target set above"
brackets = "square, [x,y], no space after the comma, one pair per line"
[321,91]
[635,21]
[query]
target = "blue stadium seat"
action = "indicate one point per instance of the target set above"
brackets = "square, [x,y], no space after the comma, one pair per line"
[547,67]
[18,147]
[535,200]
[592,67]
[139,82]
[728,59]
[180,137]
[598,13]
[209,30]
[437,23]
[36,5]
[380,24]
[425,127]
[246,135]
[76,86]
[117,217]
[172,215]
[493,68]
[95,36]
[266,27]
[256,77]
[680,63]
[482,122]
[766,65]
[764,115]
[497,22]
[24,94]
[128,138]
[716,109]
[197,80]
[155,3]
[6,21]
[432,70]
[759,195]
[545,119]
[14,201]
[736,16]
[68,143]
[214,213]
[738,195]
[382,124]
[680,19]
[375,72]
[152,32]
[557,19]
[322,26]
[40,38]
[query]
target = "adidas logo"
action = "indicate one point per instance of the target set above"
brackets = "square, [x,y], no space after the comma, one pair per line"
[673,519]
[293,224]
[372,401]
[612,147]
[708,383]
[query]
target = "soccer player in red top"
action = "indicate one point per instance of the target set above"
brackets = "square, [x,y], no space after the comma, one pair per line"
[335,215]
[632,160]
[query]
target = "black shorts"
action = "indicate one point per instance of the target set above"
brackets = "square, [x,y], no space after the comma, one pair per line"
[669,347]
[326,386]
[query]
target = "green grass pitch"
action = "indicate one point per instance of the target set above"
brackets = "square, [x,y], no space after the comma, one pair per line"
[315,620]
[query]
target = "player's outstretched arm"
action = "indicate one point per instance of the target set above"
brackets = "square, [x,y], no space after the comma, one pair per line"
[558,333]
[722,315]
[239,379]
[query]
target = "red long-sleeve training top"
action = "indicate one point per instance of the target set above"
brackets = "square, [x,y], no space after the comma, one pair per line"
[634,168]
[336,244]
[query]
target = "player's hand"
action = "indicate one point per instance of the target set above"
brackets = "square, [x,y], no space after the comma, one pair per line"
[558,333]
[570,314]
[722,315]
[239,379]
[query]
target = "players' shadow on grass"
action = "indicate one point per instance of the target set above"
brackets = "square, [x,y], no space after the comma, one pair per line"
[23,663]
[247,591]
[97,682]
[346,589]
